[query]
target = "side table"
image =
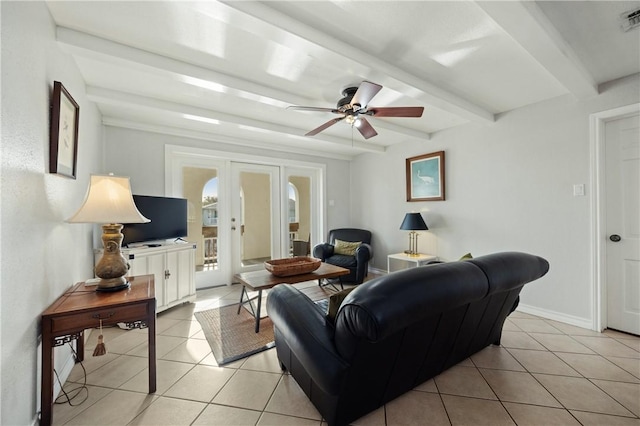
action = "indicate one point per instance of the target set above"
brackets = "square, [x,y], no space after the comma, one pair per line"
[407,261]
[82,307]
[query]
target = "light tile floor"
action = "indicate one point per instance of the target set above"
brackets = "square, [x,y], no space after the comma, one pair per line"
[545,373]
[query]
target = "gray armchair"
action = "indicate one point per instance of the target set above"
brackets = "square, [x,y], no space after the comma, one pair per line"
[358,263]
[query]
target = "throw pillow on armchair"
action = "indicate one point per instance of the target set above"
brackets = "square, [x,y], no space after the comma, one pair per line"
[346,248]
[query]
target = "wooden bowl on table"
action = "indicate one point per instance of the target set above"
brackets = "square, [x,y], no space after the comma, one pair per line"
[292,266]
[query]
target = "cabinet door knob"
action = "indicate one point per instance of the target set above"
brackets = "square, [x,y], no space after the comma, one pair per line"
[615,238]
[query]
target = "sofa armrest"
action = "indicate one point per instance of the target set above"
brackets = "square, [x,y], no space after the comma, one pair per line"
[323,251]
[304,328]
[364,252]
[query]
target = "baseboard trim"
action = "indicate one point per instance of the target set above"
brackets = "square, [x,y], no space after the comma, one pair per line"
[556,316]
[532,310]
[377,271]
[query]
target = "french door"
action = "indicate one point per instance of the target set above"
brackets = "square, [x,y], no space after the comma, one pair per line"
[205,183]
[240,226]
[255,215]
[242,211]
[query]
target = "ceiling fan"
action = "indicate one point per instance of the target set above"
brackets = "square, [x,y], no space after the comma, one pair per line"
[354,107]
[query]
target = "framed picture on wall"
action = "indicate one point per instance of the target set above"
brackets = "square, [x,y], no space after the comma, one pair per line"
[425,177]
[63,143]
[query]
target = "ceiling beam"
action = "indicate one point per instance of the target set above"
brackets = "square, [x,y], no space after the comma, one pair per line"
[93,47]
[436,96]
[525,22]
[205,136]
[112,97]
[98,48]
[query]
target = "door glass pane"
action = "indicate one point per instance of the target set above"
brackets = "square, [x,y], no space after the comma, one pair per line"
[201,191]
[299,214]
[255,214]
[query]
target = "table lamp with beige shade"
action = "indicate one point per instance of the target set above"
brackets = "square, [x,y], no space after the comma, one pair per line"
[109,201]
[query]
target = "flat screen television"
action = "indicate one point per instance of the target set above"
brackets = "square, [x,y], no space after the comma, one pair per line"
[168,220]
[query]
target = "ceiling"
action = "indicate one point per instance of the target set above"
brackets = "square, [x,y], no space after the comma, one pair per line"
[226,71]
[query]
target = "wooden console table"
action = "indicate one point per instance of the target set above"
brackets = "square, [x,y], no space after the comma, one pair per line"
[82,307]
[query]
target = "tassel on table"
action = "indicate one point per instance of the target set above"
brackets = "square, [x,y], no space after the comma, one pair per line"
[100,349]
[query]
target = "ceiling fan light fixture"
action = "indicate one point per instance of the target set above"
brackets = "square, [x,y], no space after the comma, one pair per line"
[350,119]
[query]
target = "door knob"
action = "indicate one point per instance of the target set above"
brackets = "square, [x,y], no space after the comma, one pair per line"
[615,238]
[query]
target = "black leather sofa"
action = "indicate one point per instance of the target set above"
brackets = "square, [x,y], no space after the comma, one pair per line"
[394,332]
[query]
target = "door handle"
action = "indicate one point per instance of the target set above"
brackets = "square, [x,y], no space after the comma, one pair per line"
[233,228]
[615,238]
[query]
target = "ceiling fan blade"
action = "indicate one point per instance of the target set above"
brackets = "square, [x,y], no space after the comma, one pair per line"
[365,128]
[324,126]
[366,91]
[310,108]
[396,112]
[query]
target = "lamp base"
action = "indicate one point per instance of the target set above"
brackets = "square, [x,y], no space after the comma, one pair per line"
[413,245]
[113,284]
[112,267]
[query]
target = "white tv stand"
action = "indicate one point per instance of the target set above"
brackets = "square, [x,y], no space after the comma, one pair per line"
[173,266]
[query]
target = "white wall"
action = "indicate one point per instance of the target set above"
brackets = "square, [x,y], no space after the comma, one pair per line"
[147,177]
[509,186]
[41,255]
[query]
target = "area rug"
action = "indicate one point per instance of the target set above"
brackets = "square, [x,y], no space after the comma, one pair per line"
[232,336]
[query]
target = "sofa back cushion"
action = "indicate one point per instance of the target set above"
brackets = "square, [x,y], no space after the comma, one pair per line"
[385,305]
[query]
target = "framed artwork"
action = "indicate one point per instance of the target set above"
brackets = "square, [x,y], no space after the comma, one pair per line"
[425,177]
[63,143]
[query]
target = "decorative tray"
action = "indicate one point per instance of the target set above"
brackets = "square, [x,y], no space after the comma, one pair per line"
[292,266]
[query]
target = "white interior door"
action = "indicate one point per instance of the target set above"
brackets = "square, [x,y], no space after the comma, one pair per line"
[622,156]
[255,215]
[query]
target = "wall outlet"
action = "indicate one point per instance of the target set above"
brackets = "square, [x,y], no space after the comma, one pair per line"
[578,190]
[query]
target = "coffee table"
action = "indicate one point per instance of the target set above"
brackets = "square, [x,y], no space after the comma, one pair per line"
[264,280]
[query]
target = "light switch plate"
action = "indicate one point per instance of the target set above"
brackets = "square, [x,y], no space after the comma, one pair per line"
[578,189]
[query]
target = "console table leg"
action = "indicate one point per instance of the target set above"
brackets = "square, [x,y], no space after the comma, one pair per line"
[80,348]
[46,391]
[151,325]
